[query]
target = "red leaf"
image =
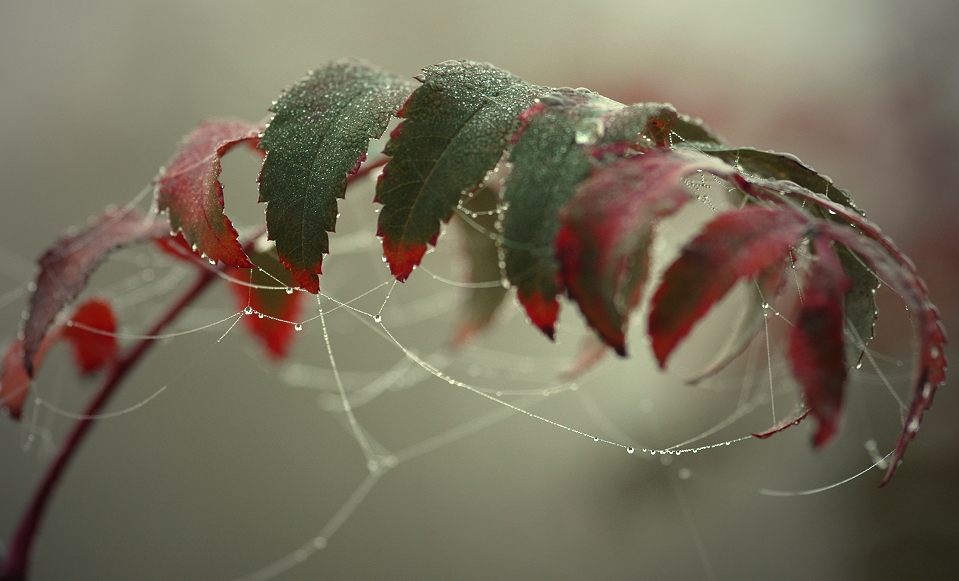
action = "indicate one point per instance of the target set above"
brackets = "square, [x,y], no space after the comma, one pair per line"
[403,257]
[817,340]
[605,232]
[92,350]
[65,268]
[190,190]
[541,309]
[738,244]
[782,426]
[277,307]
[175,245]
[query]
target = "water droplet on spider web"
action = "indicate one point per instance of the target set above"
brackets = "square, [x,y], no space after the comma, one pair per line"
[377,318]
[289,290]
[248,310]
[297,327]
[259,315]
[630,450]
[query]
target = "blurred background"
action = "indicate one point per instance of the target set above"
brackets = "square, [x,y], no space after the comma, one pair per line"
[236,465]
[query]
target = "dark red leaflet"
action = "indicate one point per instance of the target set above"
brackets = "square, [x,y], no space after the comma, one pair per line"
[739,244]
[189,189]
[542,311]
[92,350]
[603,242]
[65,267]
[403,257]
[816,349]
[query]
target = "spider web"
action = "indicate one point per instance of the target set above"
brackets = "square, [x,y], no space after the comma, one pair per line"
[624,462]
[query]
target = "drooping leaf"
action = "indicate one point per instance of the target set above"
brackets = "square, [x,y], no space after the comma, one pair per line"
[782,425]
[455,129]
[606,230]
[273,311]
[564,137]
[739,244]
[66,266]
[91,334]
[189,189]
[478,221]
[816,349]
[320,135]
[899,273]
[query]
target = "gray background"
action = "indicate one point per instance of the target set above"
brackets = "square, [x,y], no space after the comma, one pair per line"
[229,469]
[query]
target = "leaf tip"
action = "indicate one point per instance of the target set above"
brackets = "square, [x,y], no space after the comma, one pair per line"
[542,311]
[402,257]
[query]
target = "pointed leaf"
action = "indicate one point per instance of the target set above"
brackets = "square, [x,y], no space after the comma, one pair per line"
[738,244]
[320,135]
[189,189]
[14,380]
[91,334]
[279,308]
[606,230]
[564,137]
[478,223]
[817,340]
[455,129]
[65,267]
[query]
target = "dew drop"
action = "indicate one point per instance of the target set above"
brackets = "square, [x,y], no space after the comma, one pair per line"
[934,352]
[319,542]
[595,439]
[685,473]
[289,290]
[297,327]
[377,318]
[499,394]
[859,365]
[32,286]
[248,310]
[630,450]
[259,315]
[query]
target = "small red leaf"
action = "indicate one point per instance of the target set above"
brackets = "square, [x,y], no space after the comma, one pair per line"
[403,257]
[273,311]
[90,333]
[603,242]
[817,340]
[738,244]
[65,267]
[190,190]
[542,311]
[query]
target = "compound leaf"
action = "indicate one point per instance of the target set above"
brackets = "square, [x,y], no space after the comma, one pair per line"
[739,244]
[67,265]
[817,339]
[189,189]
[455,129]
[318,137]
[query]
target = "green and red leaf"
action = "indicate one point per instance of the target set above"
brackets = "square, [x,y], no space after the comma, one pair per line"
[318,137]
[189,190]
[455,129]
[606,230]
[739,244]
[816,349]
[67,265]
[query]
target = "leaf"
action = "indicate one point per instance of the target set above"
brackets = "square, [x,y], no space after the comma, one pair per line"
[606,230]
[91,334]
[67,265]
[14,379]
[273,311]
[478,222]
[899,273]
[859,303]
[782,425]
[319,136]
[738,244]
[816,349]
[762,292]
[189,190]
[692,132]
[565,136]
[455,129]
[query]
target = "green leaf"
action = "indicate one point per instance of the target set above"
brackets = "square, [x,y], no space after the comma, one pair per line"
[859,303]
[692,132]
[318,137]
[478,221]
[455,129]
[567,134]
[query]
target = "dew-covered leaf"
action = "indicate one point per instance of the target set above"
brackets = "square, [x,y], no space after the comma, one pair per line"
[859,303]
[606,230]
[318,137]
[189,189]
[478,221]
[455,129]
[739,244]
[564,137]
[91,335]
[782,425]
[816,349]
[273,310]
[67,265]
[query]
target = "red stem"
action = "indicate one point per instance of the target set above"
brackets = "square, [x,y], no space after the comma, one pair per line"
[15,566]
